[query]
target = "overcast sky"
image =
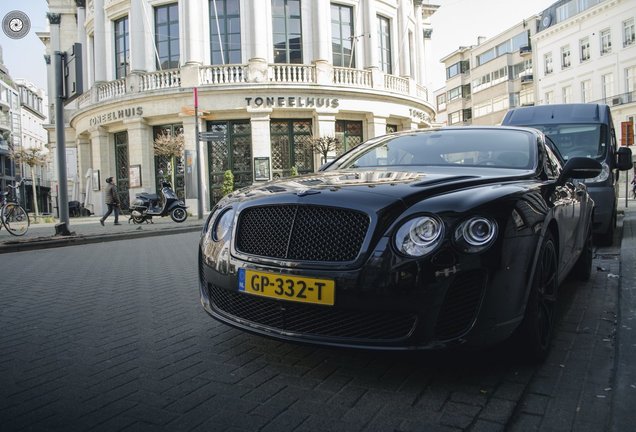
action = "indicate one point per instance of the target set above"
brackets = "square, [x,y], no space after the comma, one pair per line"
[456,23]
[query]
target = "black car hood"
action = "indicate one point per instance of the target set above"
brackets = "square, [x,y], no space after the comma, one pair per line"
[381,187]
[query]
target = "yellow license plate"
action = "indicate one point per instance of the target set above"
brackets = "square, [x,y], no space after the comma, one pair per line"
[286,287]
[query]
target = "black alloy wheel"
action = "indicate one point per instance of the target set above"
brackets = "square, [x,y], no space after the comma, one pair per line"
[537,328]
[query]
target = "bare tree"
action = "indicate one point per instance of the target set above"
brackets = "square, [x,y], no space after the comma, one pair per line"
[32,156]
[170,146]
[325,145]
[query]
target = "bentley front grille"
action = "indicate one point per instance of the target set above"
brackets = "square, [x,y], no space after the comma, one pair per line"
[314,320]
[302,232]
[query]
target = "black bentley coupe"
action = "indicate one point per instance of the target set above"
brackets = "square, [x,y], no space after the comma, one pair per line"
[416,240]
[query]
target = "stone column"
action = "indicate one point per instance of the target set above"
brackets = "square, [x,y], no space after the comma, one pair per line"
[261,142]
[81,38]
[192,35]
[190,140]
[260,19]
[419,44]
[325,126]
[403,38]
[140,152]
[322,31]
[103,158]
[84,162]
[138,31]
[99,37]
[370,42]
[376,126]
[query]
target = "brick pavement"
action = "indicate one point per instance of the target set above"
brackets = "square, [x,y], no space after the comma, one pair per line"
[110,336]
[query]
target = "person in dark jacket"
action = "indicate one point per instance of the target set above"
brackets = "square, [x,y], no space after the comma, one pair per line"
[112,201]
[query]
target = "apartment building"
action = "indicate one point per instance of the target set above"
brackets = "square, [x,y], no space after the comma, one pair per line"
[484,80]
[585,51]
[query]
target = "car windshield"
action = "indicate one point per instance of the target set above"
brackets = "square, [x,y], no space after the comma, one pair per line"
[576,139]
[502,148]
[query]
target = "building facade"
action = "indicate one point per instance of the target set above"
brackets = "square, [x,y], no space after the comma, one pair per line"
[483,81]
[33,135]
[585,51]
[264,76]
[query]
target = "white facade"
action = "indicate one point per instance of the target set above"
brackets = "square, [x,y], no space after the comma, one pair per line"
[272,84]
[588,55]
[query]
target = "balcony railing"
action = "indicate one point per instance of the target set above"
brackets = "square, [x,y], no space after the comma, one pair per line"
[251,74]
[619,99]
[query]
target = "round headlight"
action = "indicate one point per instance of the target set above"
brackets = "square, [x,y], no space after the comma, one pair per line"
[419,236]
[223,225]
[475,234]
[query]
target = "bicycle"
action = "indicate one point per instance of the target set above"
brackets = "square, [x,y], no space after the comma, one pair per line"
[14,218]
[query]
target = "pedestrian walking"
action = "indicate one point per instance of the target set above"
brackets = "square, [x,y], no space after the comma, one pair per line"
[112,201]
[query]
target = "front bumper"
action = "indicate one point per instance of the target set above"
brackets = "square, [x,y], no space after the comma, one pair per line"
[446,300]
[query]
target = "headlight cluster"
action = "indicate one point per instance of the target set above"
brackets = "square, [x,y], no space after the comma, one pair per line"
[421,235]
[605,172]
[222,224]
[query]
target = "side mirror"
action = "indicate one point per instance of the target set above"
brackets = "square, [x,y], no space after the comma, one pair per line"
[581,168]
[624,159]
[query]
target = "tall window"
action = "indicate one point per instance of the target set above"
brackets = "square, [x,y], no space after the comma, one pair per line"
[167,35]
[225,32]
[566,61]
[288,39]
[607,85]
[584,49]
[549,97]
[586,91]
[630,79]
[122,48]
[566,94]
[384,44]
[547,62]
[606,42]
[342,36]
[629,32]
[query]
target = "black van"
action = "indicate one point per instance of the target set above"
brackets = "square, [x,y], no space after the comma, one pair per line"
[583,130]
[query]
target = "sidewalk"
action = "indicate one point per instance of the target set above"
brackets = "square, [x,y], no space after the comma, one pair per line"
[88,230]
[624,395]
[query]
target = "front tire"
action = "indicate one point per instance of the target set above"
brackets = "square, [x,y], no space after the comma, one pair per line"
[179,214]
[537,328]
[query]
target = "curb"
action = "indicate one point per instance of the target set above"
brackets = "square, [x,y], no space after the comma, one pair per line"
[75,239]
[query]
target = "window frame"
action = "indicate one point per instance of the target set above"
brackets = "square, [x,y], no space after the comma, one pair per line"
[173,58]
[385,57]
[121,70]
[228,53]
[345,60]
[291,54]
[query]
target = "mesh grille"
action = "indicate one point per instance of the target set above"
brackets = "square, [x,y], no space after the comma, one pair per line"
[304,233]
[460,305]
[314,320]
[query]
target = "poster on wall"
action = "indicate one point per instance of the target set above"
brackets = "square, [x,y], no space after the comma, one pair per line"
[134,176]
[96,180]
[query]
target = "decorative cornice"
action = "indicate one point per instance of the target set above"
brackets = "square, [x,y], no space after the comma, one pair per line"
[54,18]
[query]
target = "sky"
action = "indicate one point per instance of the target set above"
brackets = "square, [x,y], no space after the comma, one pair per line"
[25,57]
[456,23]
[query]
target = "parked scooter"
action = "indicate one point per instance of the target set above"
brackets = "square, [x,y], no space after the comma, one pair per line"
[147,205]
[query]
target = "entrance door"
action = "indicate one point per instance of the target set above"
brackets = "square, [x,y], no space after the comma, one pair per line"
[121,167]
[231,149]
[291,146]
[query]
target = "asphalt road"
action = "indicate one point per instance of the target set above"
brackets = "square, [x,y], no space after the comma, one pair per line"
[111,336]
